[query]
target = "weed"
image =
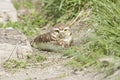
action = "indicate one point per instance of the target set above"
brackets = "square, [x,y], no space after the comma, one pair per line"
[32,60]
[14,64]
[36,58]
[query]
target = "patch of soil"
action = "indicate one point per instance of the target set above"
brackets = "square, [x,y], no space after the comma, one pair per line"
[53,68]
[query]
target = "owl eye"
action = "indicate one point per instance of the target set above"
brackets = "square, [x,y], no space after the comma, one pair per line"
[57,31]
[65,29]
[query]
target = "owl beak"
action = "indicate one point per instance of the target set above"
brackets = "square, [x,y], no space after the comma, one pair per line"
[62,34]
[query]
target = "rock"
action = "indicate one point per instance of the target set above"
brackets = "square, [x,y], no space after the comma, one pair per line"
[14,43]
[7,11]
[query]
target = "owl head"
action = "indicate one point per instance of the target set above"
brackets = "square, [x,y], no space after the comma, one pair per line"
[61,31]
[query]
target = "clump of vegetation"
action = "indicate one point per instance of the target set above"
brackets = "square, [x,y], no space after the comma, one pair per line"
[63,10]
[107,18]
[28,24]
[36,58]
[29,21]
[32,60]
[14,64]
[81,57]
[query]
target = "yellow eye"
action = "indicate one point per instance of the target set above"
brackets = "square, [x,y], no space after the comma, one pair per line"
[57,31]
[65,30]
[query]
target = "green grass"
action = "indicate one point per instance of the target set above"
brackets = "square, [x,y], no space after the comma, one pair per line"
[32,60]
[107,18]
[106,42]
[28,24]
[80,57]
[35,58]
[63,10]
[14,65]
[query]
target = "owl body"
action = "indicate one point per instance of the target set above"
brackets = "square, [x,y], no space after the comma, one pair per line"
[59,35]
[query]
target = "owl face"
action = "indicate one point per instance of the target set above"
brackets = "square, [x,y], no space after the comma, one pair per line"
[62,32]
[64,36]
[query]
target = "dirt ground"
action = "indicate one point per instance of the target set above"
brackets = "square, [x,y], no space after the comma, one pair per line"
[54,68]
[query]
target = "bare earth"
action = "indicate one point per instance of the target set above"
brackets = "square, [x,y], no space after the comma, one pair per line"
[54,68]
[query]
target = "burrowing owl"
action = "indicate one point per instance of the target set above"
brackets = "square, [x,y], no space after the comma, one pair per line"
[59,35]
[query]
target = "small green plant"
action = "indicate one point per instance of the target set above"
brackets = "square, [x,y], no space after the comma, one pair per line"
[40,58]
[36,58]
[32,60]
[14,64]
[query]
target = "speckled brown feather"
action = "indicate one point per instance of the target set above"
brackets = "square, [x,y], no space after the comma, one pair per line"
[58,36]
[44,38]
[47,37]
